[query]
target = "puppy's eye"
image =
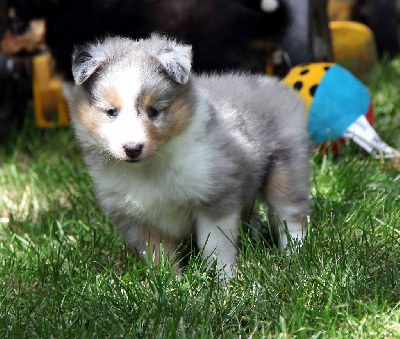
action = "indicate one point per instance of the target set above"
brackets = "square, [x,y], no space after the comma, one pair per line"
[112,112]
[153,112]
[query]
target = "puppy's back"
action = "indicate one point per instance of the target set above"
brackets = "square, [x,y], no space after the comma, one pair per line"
[261,109]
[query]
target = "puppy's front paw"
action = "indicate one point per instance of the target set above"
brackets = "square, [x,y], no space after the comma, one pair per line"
[291,242]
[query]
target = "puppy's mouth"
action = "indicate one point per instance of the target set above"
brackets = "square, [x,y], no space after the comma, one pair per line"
[124,158]
[132,160]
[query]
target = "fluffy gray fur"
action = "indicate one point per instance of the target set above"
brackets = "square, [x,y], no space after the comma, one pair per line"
[249,132]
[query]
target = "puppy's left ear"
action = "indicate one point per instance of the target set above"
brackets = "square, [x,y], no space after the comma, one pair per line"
[176,59]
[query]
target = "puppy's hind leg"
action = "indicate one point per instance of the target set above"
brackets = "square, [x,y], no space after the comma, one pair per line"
[286,191]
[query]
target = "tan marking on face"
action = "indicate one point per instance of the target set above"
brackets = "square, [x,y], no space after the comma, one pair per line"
[114,100]
[91,117]
[87,116]
[149,99]
[181,111]
[179,116]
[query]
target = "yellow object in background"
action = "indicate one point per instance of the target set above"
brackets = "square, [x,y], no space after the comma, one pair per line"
[353,45]
[51,109]
[306,78]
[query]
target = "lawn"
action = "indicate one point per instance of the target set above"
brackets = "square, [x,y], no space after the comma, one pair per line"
[65,272]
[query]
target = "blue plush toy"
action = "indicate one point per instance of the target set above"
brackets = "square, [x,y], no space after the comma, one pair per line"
[339,106]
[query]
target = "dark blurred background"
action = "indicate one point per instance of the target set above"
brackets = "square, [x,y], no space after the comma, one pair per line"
[263,36]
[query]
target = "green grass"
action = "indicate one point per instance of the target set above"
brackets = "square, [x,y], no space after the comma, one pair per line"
[64,272]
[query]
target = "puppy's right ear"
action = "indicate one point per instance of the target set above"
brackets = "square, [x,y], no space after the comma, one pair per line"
[85,61]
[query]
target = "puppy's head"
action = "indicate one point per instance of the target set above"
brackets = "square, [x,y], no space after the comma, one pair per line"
[131,97]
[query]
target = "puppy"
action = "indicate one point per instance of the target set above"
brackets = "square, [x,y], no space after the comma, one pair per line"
[172,154]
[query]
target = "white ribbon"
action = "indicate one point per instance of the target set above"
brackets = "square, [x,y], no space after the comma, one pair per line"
[364,135]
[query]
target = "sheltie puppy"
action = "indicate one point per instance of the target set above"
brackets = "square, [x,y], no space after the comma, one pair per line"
[172,154]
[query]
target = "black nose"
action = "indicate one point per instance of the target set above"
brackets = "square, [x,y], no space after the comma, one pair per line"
[132,149]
